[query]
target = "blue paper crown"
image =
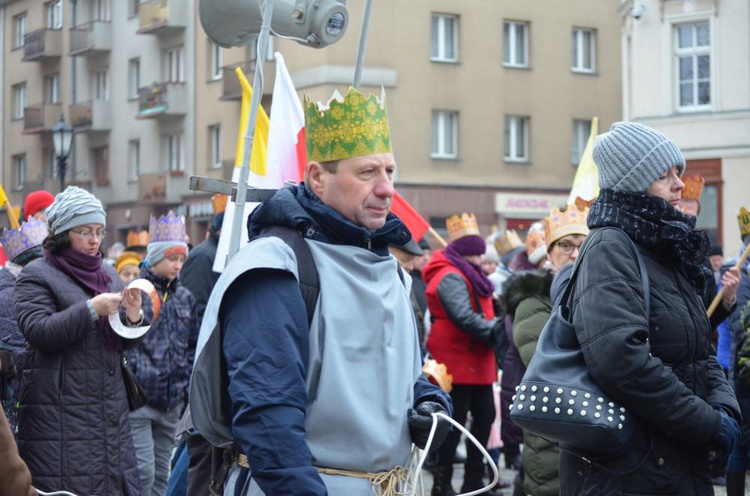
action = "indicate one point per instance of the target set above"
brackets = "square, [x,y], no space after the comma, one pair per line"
[168,228]
[30,234]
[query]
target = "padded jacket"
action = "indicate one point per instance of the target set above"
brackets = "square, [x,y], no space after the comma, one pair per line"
[661,367]
[73,427]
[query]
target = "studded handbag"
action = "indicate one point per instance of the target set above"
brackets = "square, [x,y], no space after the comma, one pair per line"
[557,398]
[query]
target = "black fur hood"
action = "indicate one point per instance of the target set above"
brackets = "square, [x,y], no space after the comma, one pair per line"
[524,284]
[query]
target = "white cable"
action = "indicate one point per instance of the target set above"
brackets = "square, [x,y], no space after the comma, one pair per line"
[56,493]
[416,475]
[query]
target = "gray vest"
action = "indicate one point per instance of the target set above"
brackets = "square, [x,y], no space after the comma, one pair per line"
[364,360]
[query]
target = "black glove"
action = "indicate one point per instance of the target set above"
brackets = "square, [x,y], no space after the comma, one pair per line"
[420,423]
[728,433]
[7,365]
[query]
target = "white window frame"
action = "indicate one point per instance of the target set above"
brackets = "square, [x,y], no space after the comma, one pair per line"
[515,124]
[581,133]
[20,100]
[693,52]
[134,159]
[101,84]
[134,78]
[19,171]
[175,152]
[214,135]
[54,14]
[217,62]
[441,25]
[20,29]
[510,43]
[101,10]
[52,88]
[174,65]
[579,50]
[444,134]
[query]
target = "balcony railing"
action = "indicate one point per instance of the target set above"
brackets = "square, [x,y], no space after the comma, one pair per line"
[162,17]
[152,188]
[41,117]
[42,44]
[91,116]
[91,38]
[162,100]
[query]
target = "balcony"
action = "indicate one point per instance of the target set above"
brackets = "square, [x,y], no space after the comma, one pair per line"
[163,17]
[41,117]
[162,100]
[152,188]
[231,88]
[91,117]
[42,44]
[91,39]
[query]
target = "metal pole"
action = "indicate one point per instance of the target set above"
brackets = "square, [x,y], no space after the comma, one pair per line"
[239,202]
[61,166]
[362,44]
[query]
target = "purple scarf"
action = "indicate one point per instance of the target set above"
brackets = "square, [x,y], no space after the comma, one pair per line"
[483,287]
[88,272]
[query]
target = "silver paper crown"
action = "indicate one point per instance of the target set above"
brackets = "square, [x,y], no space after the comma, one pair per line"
[30,234]
[169,227]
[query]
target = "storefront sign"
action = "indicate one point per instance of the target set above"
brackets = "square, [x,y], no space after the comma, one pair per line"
[527,205]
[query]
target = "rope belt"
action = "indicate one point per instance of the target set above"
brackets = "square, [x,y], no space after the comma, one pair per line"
[394,482]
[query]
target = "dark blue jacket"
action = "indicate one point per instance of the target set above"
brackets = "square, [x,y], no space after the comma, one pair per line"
[164,358]
[272,432]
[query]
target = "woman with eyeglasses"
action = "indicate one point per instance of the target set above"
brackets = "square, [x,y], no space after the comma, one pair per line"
[660,366]
[527,299]
[73,427]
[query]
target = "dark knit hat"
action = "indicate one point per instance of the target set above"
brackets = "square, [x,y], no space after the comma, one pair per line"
[469,245]
[715,249]
[412,248]
[36,201]
[631,157]
[218,221]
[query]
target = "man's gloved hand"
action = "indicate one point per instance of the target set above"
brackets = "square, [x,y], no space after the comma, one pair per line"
[727,435]
[7,365]
[420,423]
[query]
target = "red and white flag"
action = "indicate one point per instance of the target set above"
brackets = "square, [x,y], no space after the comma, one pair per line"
[287,154]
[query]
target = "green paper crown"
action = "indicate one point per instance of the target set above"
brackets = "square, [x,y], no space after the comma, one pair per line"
[353,128]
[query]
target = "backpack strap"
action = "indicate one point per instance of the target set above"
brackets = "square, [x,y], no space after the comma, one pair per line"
[309,282]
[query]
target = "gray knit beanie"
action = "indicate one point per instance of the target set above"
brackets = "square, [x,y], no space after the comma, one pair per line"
[72,208]
[631,157]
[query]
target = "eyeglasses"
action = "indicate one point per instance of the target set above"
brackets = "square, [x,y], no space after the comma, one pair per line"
[90,234]
[566,247]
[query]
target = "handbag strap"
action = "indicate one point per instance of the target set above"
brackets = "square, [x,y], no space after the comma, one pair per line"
[564,299]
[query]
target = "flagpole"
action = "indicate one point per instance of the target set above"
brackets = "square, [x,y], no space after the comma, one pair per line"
[438,237]
[362,44]
[239,201]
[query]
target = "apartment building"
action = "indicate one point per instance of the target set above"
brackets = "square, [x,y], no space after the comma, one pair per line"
[490,102]
[686,72]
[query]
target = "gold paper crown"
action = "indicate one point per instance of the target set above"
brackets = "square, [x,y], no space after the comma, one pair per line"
[693,187]
[219,203]
[507,242]
[352,127]
[137,239]
[561,223]
[458,227]
[743,219]
[534,241]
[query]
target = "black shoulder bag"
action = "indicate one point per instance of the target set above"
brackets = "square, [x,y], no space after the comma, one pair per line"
[557,398]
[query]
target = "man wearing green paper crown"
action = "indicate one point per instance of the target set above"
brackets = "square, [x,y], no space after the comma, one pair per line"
[328,403]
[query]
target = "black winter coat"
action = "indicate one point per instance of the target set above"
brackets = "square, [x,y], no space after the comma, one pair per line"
[74,433]
[661,367]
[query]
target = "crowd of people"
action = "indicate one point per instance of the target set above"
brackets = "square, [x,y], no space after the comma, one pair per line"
[299,369]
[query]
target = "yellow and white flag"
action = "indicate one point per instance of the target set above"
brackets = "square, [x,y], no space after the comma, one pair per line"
[586,181]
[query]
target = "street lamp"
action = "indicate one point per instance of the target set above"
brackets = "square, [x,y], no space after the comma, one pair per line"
[62,139]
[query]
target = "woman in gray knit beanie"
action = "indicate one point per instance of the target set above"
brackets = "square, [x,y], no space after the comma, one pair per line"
[650,351]
[73,427]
